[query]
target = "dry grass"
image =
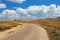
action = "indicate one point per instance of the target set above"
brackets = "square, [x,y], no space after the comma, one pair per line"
[52,25]
[51,22]
[7,25]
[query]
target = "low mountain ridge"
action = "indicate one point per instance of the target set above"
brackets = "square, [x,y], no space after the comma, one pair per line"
[50,22]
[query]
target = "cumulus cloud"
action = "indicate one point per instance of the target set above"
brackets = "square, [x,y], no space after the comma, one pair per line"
[2,5]
[33,12]
[28,16]
[21,10]
[34,17]
[37,9]
[9,15]
[17,1]
[51,10]
[33,9]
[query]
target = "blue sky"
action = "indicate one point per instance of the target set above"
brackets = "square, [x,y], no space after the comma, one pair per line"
[25,6]
[28,3]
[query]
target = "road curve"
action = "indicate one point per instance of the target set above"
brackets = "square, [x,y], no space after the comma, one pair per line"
[29,32]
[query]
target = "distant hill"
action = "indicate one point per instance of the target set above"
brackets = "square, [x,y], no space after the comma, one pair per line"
[50,22]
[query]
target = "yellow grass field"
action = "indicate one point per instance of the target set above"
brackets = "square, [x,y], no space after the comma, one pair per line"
[52,25]
[50,22]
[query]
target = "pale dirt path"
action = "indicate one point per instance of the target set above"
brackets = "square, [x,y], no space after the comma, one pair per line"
[5,33]
[29,32]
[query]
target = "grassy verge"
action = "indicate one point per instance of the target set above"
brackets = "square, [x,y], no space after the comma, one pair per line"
[51,25]
[7,25]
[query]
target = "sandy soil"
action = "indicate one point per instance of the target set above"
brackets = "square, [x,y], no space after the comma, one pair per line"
[9,31]
[29,32]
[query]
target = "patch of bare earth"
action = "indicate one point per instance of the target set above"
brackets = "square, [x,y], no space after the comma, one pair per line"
[9,31]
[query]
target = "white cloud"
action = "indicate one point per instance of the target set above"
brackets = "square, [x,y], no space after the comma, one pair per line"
[35,11]
[21,10]
[34,17]
[9,14]
[42,9]
[52,10]
[17,1]
[2,5]
[28,16]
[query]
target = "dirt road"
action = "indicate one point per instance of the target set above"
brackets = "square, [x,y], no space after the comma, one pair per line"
[29,32]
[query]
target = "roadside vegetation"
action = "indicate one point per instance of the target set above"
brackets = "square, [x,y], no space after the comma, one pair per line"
[52,25]
[4,25]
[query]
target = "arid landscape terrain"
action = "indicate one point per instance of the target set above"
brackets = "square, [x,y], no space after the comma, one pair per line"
[29,19]
[52,26]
